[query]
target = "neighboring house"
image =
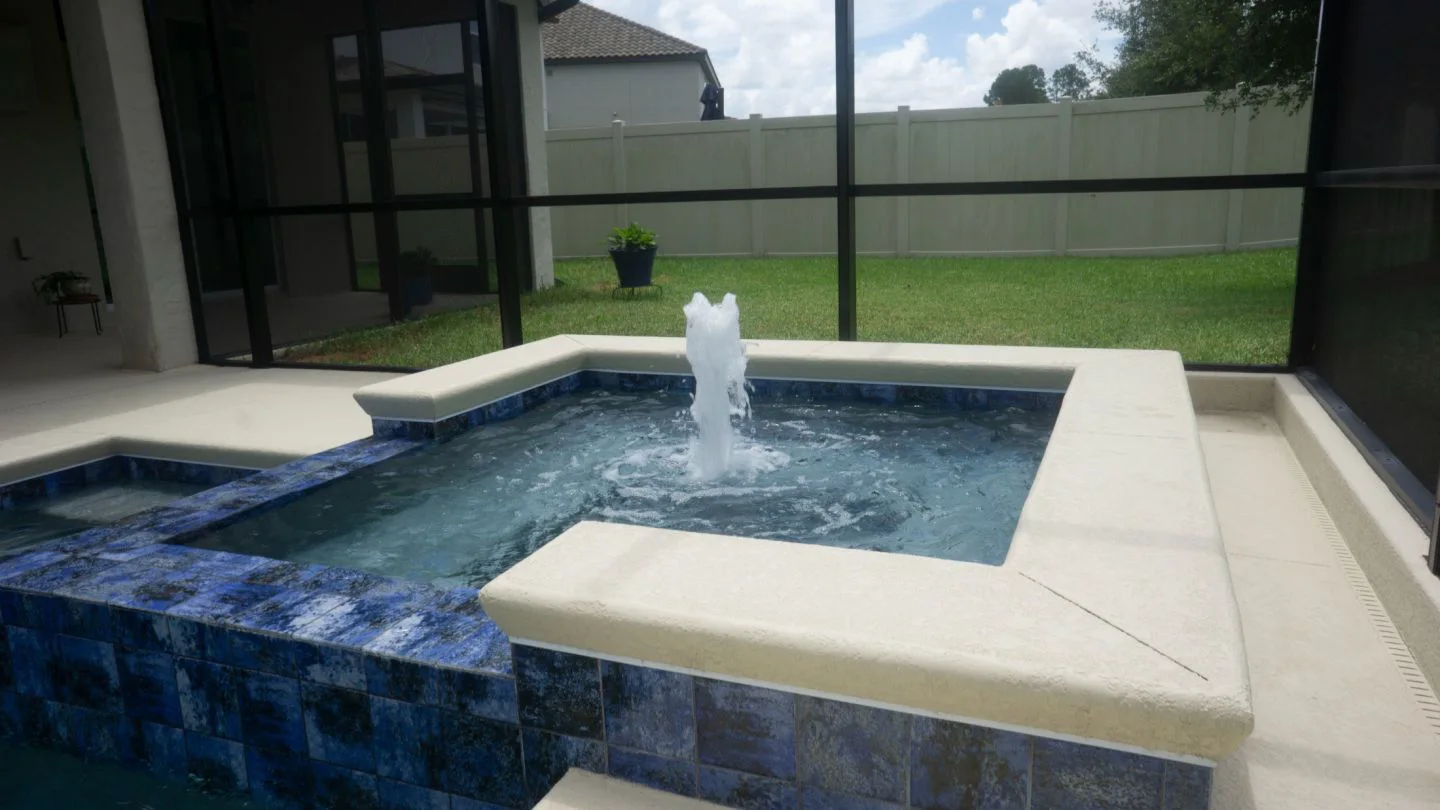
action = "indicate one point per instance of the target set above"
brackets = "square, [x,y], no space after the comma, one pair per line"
[600,67]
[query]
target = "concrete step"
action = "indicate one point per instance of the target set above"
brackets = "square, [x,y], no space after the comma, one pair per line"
[581,790]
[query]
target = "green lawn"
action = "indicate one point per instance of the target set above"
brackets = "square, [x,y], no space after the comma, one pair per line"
[1222,308]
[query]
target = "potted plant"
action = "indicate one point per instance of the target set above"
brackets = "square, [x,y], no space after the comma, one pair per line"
[632,248]
[416,270]
[62,283]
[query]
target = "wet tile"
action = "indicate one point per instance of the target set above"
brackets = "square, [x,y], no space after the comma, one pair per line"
[7,674]
[339,788]
[84,674]
[462,803]
[164,592]
[86,733]
[287,612]
[270,715]
[209,698]
[224,601]
[157,632]
[164,750]
[402,680]
[959,765]
[338,726]
[258,651]
[660,773]
[400,796]
[1187,787]
[559,692]
[279,778]
[147,685]
[746,791]
[218,765]
[831,800]
[408,745]
[356,622]
[285,574]
[1068,776]
[479,695]
[59,576]
[20,564]
[549,756]
[32,653]
[72,617]
[325,664]
[649,709]
[745,728]
[482,760]
[12,607]
[455,640]
[853,749]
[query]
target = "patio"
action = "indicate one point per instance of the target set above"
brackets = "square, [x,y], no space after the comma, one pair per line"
[1342,718]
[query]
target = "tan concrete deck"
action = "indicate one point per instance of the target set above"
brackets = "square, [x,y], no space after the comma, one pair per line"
[1337,722]
[72,393]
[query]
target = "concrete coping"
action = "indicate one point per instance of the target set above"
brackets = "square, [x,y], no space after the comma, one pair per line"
[1112,620]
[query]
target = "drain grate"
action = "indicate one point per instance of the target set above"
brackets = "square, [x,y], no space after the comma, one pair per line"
[1380,619]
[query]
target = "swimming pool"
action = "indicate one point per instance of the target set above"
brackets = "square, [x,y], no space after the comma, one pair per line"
[942,475]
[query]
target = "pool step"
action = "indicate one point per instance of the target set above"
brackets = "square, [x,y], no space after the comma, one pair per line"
[580,790]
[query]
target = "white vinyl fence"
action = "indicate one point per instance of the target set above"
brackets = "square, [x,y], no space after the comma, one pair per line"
[1154,136]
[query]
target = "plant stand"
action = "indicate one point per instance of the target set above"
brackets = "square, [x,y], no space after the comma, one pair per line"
[93,301]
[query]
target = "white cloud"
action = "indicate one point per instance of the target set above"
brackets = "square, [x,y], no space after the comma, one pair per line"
[910,75]
[777,58]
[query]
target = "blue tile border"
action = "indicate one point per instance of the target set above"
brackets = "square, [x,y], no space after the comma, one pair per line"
[115,468]
[509,407]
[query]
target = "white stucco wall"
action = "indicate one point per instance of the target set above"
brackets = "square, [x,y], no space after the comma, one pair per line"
[636,93]
[42,194]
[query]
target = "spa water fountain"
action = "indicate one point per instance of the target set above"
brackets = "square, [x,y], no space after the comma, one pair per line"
[717,359]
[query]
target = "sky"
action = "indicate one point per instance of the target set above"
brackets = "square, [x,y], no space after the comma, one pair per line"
[776,57]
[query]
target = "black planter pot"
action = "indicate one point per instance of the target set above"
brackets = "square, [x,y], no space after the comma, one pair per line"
[419,290]
[634,266]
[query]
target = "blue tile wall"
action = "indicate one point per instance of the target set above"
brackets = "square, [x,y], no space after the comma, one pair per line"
[114,468]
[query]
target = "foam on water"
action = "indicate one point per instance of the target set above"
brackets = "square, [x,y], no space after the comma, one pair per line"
[717,359]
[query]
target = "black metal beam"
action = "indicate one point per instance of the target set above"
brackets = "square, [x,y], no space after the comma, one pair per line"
[477,157]
[499,131]
[845,165]
[257,317]
[1324,112]
[382,178]
[160,55]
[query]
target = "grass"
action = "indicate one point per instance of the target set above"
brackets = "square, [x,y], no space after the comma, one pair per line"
[1220,308]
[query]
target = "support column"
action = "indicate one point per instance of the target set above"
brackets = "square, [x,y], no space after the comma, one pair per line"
[757,180]
[1065,109]
[902,175]
[1235,215]
[125,141]
[618,169]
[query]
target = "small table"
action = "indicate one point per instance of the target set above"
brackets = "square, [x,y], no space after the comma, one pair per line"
[63,301]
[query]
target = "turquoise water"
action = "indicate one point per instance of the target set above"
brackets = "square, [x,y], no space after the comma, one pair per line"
[909,479]
[95,505]
[32,779]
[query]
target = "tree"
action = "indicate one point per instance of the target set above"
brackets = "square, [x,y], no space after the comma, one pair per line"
[1070,81]
[1022,85]
[1244,52]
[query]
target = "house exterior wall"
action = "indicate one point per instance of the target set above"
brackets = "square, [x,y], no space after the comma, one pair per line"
[43,201]
[635,92]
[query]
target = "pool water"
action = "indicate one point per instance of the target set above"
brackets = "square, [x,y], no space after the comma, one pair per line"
[34,779]
[95,505]
[912,479]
